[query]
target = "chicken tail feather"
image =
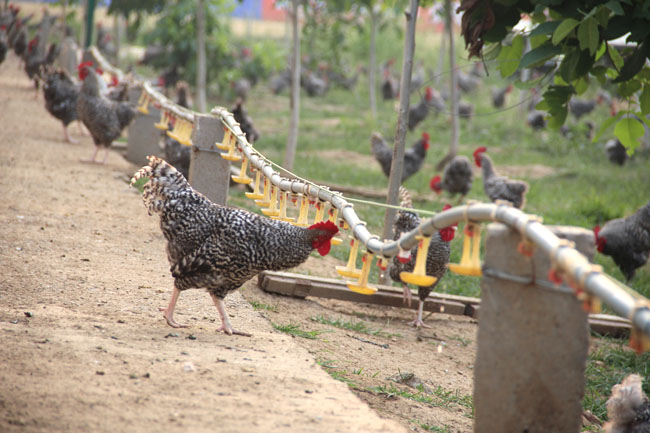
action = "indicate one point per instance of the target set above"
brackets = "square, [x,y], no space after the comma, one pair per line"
[163,180]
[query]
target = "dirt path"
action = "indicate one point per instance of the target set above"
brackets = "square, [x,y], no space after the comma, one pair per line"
[83,345]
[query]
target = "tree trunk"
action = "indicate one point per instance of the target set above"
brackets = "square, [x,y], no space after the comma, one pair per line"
[397,166]
[90,19]
[453,143]
[292,141]
[372,67]
[200,48]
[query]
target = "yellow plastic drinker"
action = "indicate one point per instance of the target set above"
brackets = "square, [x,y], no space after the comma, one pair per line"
[164,120]
[272,209]
[303,213]
[350,270]
[284,196]
[226,143]
[144,106]
[361,285]
[320,212]
[470,263]
[419,275]
[639,341]
[256,195]
[265,201]
[185,134]
[176,131]
[243,177]
[231,156]
[333,216]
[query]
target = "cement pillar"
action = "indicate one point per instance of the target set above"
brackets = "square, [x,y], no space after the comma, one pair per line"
[209,172]
[143,137]
[532,340]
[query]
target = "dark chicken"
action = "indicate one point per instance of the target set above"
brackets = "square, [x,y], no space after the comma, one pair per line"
[628,409]
[536,119]
[437,255]
[19,39]
[499,95]
[390,85]
[279,82]
[219,248]
[61,94]
[104,118]
[4,43]
[616,152]
[245,122]
[626,240]
[413,156]
[581,107]
[418,112]
[499,187]
[456,178]
[35,60]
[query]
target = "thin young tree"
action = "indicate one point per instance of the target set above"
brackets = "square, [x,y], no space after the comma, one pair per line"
[292,141]
[200,57]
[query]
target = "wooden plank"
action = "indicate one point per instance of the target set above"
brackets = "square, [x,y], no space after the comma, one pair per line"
[301,286]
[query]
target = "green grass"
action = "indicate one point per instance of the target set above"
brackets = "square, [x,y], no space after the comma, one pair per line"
[349,325]
[439,397]
[435,428]
[261,306]
[294,330]
[608,364]
[337,373]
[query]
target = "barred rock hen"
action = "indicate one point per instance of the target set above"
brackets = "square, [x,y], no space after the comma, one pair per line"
[413,156]
[104,118]
[499,187]
[457,178]
[217,247]
[628,408]
[419,111]
[626,240]
[61,95]
[437,255]
[35,60]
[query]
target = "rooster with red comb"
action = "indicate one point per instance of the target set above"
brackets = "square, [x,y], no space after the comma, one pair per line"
[437,255]
[457,178]
[498,187]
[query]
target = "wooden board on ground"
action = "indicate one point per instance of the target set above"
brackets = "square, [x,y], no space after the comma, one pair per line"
[301,286]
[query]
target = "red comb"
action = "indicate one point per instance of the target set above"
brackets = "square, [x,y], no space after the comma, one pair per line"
[479,150]
[434,184]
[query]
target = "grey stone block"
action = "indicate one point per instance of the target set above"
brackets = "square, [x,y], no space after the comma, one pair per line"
[209,172]
[532,342]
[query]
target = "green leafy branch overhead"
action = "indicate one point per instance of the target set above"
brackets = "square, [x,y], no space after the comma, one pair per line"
[607,41]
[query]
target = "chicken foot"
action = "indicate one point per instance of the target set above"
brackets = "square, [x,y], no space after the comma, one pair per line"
[169,311]
[225,322]
[418,323]
[66,135]
[91,160]
[407,295]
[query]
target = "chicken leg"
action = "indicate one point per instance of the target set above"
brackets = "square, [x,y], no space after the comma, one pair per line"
[407,296]
[225,322]
[418,319]
[66,135]
[169,311]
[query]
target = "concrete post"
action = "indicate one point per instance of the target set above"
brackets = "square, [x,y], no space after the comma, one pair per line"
[532,340]
[209,172]
[143,137]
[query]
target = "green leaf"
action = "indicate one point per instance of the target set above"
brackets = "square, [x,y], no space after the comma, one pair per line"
[545,28]
[606,125]
[539,55]
[588,35]
[510,57]
[615,6]
[603,16]
[629,88]
[633,63]
[615,57]
[557,118]
[628,131]
[644,100]
[581,85]
[569,65]
[601,51]
[563,30]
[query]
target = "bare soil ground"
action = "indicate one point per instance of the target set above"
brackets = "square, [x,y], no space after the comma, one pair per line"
[84,347]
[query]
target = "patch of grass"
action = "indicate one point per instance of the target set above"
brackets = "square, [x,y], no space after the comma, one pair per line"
[439,397]
[337,373]
[360,327]
[261,306]
[293,329]
[435,428]
[608,364]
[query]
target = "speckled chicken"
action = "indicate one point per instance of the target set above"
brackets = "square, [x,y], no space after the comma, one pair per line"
[419,111]
[61,95]
[245,121]
[413,156]
[35,60]
[104,118]
[499,187]
[219,248]
[626,240]
[628,409]
[437,255]
[457,178]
